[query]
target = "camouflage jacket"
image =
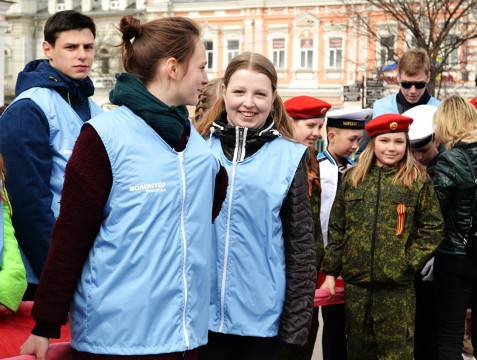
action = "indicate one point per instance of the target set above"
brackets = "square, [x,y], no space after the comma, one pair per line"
[363,243]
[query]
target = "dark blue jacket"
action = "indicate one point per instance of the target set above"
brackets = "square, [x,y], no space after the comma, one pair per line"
[24,144]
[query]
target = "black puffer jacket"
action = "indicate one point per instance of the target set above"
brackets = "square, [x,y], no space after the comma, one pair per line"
[455,189]
[297,221]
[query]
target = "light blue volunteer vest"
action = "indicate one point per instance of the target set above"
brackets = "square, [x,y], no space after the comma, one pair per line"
[388,105]
[65,126]
[248,281]
[144,288]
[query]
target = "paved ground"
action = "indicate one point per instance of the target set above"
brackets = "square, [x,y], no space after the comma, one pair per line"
[317,353]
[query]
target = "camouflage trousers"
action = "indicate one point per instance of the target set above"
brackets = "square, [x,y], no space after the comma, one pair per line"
[380,322]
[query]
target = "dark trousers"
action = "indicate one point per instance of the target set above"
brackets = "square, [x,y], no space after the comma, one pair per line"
[235,347]
[30,292]
[425,343]
[183,355]
[455,279]
[334,338]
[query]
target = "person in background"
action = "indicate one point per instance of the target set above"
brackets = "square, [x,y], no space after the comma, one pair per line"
[308,114]
[468,348]
[344,129]
[454,271]
[378,251]
[207,98]
[12,271]
[39,130]
[264,274]
[413,76]
[425,149]
[130,251]
[473,101]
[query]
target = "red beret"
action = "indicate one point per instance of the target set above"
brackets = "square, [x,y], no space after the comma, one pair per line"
[306,107]
[388,123]
[474,102]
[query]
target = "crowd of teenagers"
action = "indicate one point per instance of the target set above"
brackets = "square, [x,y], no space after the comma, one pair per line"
[162,237]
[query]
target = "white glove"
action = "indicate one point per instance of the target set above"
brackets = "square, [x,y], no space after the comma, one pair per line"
[428,270]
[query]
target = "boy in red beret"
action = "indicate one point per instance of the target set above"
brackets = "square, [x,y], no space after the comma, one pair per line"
[385,224]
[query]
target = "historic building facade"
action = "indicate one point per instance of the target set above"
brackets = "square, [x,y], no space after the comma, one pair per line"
[317,47]
[4,6]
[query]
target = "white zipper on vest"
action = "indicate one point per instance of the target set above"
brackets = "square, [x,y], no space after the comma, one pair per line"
[226,254]
[181,161]
[239,155]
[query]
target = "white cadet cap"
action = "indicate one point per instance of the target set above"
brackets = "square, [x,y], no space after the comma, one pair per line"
[348,118]
[422,129]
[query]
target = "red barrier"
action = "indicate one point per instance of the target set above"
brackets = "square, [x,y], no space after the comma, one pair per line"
[323,296]
[15,329]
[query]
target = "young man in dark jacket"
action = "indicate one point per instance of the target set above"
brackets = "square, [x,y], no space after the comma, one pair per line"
[39,129]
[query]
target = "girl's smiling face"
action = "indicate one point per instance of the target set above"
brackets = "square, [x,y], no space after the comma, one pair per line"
[390,148]
[248,99]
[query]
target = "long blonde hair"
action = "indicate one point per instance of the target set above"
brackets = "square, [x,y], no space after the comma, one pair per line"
[260,64]
[408,172]
[455,120]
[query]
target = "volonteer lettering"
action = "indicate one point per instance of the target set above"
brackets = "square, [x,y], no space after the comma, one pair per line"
[153,187]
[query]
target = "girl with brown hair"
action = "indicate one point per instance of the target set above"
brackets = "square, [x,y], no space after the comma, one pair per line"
[263,249]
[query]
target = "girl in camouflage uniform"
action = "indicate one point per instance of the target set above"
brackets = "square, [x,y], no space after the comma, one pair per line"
[384,225]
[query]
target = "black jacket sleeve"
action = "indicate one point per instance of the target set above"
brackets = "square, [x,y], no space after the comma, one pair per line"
[220,192]
[300,259]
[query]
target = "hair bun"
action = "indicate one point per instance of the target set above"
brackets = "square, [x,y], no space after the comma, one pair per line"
[130,27]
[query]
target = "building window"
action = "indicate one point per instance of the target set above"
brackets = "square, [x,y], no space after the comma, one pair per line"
[306,53]
[387,49]
[104,56]
[335,52]
[209,53]
[449,43]
[114,4]
[278,53]
[8,63]
[60,5]
[232,49]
